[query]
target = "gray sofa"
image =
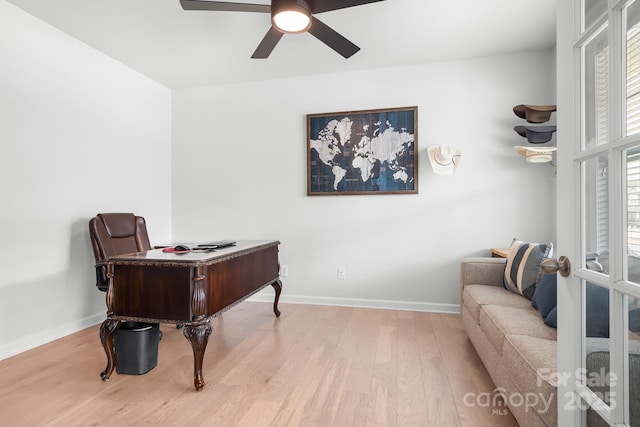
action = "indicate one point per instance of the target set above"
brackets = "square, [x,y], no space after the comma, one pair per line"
[516,347]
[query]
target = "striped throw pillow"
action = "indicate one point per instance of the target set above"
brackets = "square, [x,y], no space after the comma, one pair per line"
[522,272]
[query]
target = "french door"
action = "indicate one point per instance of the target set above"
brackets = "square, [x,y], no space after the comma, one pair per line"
[598,119]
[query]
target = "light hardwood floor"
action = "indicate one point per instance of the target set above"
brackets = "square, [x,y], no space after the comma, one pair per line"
[313,366]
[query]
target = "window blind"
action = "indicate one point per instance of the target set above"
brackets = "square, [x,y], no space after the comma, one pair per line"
[633,126]
[602,132]
[633,202]
[633,80]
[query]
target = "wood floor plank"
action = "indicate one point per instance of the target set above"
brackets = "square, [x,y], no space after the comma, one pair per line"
[314,366]
[412,403]
[297,410]
[327,400]
[260,414]
[352,411]
[383,396]
[441,406]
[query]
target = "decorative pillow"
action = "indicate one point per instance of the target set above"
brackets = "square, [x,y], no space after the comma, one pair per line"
[597,322]
[597,311]
[552,318]
[594,265]
[522,271]
[634,320]
[545,297]
[592,328]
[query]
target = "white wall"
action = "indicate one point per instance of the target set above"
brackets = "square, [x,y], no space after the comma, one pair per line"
[239,171]
[79,134]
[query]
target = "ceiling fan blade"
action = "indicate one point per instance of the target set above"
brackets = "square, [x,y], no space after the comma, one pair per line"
[331,38]
[267,44]
[320,6]
[224,6]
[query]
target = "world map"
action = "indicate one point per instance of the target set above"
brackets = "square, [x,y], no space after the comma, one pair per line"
[362,152]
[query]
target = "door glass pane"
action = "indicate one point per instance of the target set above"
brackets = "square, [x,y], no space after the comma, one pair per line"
[597,342]
[596,213]
[634,360]
[596,90]
[595,420]
[633,69]
[592,10]
[633,214]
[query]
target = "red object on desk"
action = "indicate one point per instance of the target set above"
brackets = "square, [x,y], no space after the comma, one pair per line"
[174,250]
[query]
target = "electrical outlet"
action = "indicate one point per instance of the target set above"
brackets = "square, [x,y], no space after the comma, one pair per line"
[284,270]
[342,273]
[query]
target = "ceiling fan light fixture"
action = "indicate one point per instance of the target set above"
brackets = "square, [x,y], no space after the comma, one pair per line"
[293,16]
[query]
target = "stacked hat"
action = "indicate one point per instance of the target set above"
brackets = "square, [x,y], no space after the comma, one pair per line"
[536,154]
[534,113]
[535,134]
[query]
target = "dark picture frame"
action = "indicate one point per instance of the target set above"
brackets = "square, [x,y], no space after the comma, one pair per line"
[363,152]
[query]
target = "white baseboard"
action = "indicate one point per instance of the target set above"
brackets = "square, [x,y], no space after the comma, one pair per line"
[359,302]
[48,335]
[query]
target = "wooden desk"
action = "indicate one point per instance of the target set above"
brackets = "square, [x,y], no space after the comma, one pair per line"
[187,289]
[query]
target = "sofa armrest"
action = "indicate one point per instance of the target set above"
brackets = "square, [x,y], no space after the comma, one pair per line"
[481,271]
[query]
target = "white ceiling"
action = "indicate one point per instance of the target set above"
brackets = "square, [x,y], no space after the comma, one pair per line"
[197,48]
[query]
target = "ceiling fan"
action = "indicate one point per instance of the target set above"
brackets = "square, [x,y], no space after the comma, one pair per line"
[291,17]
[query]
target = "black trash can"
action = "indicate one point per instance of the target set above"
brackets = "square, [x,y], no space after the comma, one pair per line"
[136,347]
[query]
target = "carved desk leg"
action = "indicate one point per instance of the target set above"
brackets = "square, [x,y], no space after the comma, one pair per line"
[109,328]
[107,332]
[198,336]
[277,286]
[198,332]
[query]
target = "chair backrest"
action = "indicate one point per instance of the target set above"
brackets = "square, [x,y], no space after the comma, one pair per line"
[115,234]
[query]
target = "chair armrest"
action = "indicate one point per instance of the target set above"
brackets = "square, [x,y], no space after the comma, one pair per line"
[102,281]
[481,271]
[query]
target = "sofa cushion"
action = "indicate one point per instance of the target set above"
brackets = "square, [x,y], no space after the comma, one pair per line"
[531,362]
[475,296]
[522,271]
[499,321]
[597,362]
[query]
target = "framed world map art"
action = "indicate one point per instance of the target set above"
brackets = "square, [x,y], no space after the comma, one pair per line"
[363,152]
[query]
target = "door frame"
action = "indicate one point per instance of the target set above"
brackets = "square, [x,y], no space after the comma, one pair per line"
[568,125]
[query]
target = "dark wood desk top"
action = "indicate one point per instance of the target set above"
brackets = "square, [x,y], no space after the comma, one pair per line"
[195,257]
